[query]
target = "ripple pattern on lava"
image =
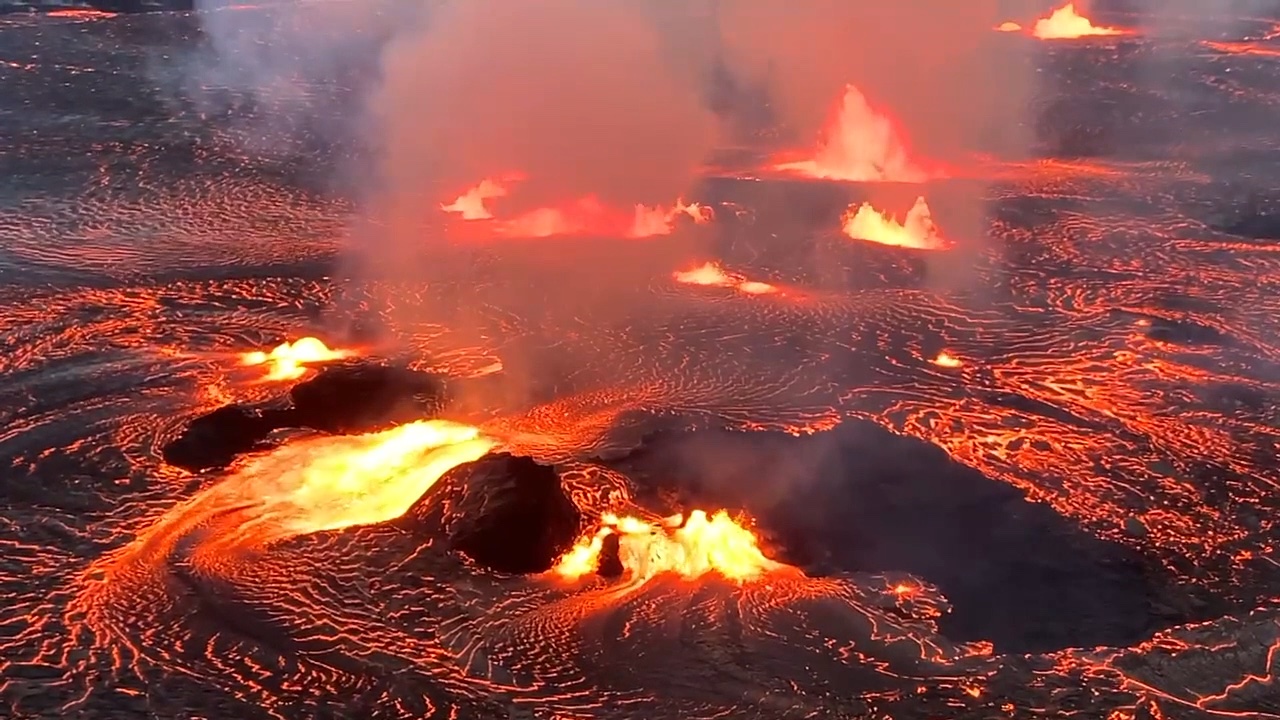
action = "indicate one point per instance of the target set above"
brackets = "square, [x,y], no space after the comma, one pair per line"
[1116,366]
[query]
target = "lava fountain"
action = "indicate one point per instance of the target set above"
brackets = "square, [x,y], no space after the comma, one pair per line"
[290,360]
[689,548]
[861,143]
[1066,24]
[917,231]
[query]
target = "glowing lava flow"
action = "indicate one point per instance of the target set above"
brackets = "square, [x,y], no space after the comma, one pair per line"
[690,548]
[586,215]
[329,483]
[710,274]
[1065,24]
[917,231]
[860,144]
[289,361]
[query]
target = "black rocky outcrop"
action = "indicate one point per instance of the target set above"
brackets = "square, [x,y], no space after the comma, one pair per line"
[340,399]
[510,514]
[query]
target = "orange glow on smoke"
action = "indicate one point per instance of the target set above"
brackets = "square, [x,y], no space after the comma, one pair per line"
[710,274]
[917,231]
[289,361]
[586,215]
[860,144]
[329,483]
[1065,23]
[691,548]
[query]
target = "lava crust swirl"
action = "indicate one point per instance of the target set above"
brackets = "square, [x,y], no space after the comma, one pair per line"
[851,413]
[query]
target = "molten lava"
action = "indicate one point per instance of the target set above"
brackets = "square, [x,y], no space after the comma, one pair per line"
[289,361]
[688,548]
[710,274]
[329,483]
[1065,24]
[1009,27]
[917,231]
[860,144]
[946,360]
[585,215]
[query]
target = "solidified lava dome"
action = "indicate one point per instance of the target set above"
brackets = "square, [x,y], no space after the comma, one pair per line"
[575,360]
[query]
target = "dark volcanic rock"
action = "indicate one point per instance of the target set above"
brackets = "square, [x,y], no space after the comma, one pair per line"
[214,440]
[1259,226]
[365,398]
[861,499]
[510,514]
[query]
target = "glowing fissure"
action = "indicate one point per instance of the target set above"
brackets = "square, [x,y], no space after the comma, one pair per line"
[688,548]
[917,231]
[289,360]
[585,215]
[860,144]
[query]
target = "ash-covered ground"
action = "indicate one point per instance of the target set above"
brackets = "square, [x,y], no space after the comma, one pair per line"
[1076,519]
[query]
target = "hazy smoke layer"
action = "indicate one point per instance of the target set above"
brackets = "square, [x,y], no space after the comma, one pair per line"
[573,94]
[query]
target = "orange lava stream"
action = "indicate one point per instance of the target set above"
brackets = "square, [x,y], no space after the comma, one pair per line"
[289,360]
[917,231]
[1243,48]
[710,274]
[860,144]
[689,548]
[1065,24]
[85,14]
[320,484]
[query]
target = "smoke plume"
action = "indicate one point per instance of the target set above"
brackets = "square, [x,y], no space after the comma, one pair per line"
[952,83]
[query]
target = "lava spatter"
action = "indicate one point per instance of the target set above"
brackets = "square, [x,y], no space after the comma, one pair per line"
[916,231]
[861,143]
[710,274]
[581,216]
[291,360]
[686,547]
[1065,23]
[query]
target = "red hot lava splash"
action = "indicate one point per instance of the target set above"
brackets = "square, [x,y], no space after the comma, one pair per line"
[1063,24]
[861,143]
[290,360]
[688,548]
[917,231]
[586,215]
